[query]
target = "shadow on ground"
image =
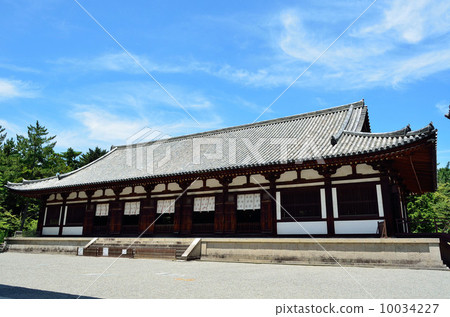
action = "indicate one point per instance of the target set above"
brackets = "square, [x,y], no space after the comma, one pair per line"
[16,292]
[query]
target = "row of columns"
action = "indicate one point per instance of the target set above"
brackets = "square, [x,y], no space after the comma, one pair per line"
[225,209]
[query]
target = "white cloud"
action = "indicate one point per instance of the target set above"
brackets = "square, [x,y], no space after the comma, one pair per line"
[16,89]
[10,128]
[393,43]
[108,114]
[107,127]
[16,68]
[122,62]
[443,107]
[101,127]
[413,21]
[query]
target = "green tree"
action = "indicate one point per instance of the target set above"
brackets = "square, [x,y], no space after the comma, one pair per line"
[71,158]
[92,155]
[432,210]
[30,157]
[444,174]
[2,135]
[37,153]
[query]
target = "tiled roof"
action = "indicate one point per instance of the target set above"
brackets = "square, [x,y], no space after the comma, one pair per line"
[333,132]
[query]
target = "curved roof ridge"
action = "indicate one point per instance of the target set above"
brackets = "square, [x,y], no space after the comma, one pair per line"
[26,181]
[251,125]
[406,131]
[363,116]
[401,132]
[335,137]
[429,128]
[60,176]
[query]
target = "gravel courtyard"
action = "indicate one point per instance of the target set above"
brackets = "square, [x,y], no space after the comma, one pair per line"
[65,276]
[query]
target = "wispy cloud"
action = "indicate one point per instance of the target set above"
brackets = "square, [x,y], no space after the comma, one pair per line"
[121,62]
[107,114]
[380,51]
[412,21]
[16,68]
[10,128]
[101,127]
[16,89]
[443,107]
[394,43]
[107,127]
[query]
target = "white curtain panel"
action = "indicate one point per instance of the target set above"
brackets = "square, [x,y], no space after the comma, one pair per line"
[102,210]
[132,208]
[165,206]
[248,202]
[204,204]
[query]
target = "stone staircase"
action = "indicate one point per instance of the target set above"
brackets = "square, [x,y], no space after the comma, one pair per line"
[149,248]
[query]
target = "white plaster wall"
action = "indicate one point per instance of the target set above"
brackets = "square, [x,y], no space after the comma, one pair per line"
[301,185]
[310,174]
[109,192]
[159,188]
[353,181]
[173,186]
[213,183]
[72,231]
[287,176]
[82,195]
[72,195]
[139,190]
[365,169]
[196,184]
[240,180]
[356,226]
[98,193]
[50,231]
[258,179]
[311,227]
[51,197]
[127,191]
[343,171]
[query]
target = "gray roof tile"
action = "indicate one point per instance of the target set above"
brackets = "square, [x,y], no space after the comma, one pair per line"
[296,138]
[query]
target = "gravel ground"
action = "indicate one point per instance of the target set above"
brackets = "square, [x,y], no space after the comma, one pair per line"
[65,276]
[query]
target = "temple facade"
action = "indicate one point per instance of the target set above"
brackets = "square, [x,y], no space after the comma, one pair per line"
[322,173]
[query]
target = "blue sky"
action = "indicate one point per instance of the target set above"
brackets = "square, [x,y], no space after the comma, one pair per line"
[224,62]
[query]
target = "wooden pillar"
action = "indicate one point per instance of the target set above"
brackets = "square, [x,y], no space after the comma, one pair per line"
[40,223]
[147,213]
[186,214]
[218,214]
[269,206]
[62,212]
[89,214]
[228,206]
[386,170]
[179,216]
[329,205]
[116,213]
[386,192]
[326,172]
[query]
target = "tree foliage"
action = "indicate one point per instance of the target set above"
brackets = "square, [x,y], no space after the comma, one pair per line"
[91,155]
[430,212]
[31,157]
